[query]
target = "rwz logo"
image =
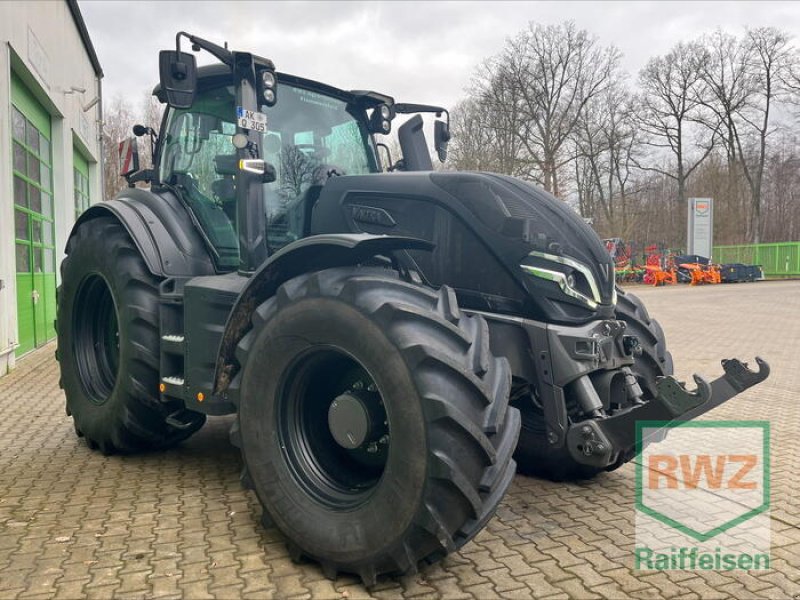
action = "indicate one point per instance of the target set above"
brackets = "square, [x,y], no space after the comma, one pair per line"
[709,471]
[706,477]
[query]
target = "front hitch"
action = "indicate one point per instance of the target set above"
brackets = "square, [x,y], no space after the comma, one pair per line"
[603,441]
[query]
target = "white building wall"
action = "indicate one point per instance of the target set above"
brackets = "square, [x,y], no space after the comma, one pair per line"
[40,41]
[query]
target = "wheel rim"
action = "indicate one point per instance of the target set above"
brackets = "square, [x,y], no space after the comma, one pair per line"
[96,338]
[333,428]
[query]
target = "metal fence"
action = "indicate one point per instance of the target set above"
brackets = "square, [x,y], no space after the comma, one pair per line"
[777,260]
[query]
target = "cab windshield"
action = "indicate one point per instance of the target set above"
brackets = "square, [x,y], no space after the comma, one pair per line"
[308,135]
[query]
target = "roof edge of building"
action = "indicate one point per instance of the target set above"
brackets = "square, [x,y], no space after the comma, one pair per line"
[84,33]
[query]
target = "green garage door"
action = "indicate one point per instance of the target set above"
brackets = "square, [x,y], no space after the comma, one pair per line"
[33,219]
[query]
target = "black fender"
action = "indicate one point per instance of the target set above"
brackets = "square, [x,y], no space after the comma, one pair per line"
[162,230]
[313,253]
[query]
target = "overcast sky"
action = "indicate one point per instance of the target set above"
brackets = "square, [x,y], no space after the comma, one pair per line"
[414,51]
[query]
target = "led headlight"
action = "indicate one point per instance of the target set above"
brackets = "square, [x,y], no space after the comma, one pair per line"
[381,119]
[268,87]
[568,280]
[268,79]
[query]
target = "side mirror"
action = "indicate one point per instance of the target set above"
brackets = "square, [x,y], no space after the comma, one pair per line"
[441,135]
[178,72]
[128,157]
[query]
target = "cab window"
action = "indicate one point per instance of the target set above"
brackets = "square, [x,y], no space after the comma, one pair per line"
[309,136]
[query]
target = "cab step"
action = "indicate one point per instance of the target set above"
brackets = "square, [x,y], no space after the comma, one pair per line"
[172,387]
[173,344]
[183,419]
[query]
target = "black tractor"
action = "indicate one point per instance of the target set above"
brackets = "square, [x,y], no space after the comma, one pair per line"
[385,338]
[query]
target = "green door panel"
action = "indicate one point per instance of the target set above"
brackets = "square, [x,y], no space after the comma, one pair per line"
[33,218]
[49,296]
[25,326]
[39,299]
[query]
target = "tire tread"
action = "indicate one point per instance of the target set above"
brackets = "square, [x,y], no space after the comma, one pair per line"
[464,390]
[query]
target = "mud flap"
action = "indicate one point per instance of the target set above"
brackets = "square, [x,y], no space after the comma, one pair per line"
[601,442]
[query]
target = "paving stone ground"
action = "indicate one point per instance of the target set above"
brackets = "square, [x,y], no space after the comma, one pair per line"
[176,524]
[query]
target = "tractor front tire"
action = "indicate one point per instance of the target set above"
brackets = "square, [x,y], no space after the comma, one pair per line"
[108,343]
[536,456]
[373,421]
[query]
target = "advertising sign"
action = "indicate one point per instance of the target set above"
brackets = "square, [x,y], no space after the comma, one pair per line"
[700,231]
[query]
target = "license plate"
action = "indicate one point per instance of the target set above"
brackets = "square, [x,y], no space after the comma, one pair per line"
[250,119]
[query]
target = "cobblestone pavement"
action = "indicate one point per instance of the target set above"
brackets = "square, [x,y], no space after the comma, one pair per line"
[177,524]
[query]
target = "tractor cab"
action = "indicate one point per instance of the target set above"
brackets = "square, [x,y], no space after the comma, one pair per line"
[298,132]
[309,136]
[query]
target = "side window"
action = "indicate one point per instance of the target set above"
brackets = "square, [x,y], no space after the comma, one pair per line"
[296,163]
[345,147]
[199,158]
[194,142]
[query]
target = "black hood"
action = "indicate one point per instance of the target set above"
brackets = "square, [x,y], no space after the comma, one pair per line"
[490,233]
[522,211]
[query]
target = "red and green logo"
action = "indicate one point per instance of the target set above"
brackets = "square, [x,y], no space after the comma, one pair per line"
[701,491]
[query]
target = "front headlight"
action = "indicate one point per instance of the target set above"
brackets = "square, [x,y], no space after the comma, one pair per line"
[570,275]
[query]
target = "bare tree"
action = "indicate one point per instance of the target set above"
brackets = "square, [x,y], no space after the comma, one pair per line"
[606,141]
[547,75]
[724,65]
[484,137]
[791,77]
[703,121]
[496,109]
[672,116]
[118,118]
[770,58]
[591,168]
[624,147]
[584,182]
[781,190]
[470,148]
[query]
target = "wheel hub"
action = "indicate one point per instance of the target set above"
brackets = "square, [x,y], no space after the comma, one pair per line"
[354,419]
[339,461]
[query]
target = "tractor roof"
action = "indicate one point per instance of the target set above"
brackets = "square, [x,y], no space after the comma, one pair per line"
[219,74]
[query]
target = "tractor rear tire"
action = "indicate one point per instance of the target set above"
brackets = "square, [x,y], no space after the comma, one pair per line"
[344,356]
[108,343]
[535,456]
